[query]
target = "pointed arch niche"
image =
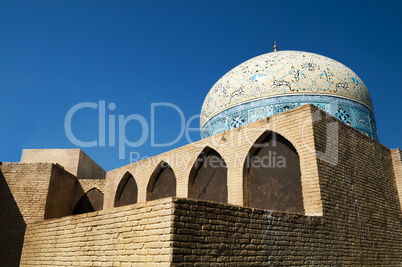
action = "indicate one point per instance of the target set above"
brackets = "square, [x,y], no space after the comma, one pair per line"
[162,182]
[90,201]
[127,191]
[271,175]
[208,177]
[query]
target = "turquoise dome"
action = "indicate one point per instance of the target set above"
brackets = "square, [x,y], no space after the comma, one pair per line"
[278,81]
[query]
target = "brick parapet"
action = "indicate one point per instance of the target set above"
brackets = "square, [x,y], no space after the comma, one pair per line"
[130,235]
[186,232]
[216,234]
[397,165]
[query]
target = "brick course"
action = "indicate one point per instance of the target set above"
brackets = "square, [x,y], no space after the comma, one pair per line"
[88,184]
[216,234]
[124,236]
[186,232]
[397,163]
[29,184]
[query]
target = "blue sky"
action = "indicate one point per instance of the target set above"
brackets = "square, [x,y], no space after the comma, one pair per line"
[57,54]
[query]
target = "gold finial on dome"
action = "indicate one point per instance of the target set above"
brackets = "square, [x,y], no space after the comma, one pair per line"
[275,47]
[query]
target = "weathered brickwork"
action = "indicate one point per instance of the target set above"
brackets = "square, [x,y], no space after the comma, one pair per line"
[125,236]
[214,234]
[185,232]
[12,226]
[29,184]
[42,190]
[233,146]
[32,192]
[359,194]
[64,192]
[88,184]
[397,162]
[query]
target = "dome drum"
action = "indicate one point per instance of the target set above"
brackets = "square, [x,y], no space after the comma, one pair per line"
[352,113]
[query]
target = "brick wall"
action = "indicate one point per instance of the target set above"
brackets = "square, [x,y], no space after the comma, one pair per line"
[361,224]
[29,193]
[88,168]
[359,194]
[12,226]
[214,234]
[88,184]
[295,125]
[124,236]
[186,232]
[220,235]
[29,184]
[397,163]
[42,190]
[64,192]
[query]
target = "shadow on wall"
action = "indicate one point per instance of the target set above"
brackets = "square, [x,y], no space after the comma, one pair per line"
[89,202]
[64,192]
[162,182]
[208,177]
[272,177]
[12,227]
[127,191]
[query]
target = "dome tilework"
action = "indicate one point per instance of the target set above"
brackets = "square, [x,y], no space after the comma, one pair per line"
[275,82]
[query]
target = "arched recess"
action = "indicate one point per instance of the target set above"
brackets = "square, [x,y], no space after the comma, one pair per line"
[126,192]
[208,177]
[90,201]
[272,177]
[162,182]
